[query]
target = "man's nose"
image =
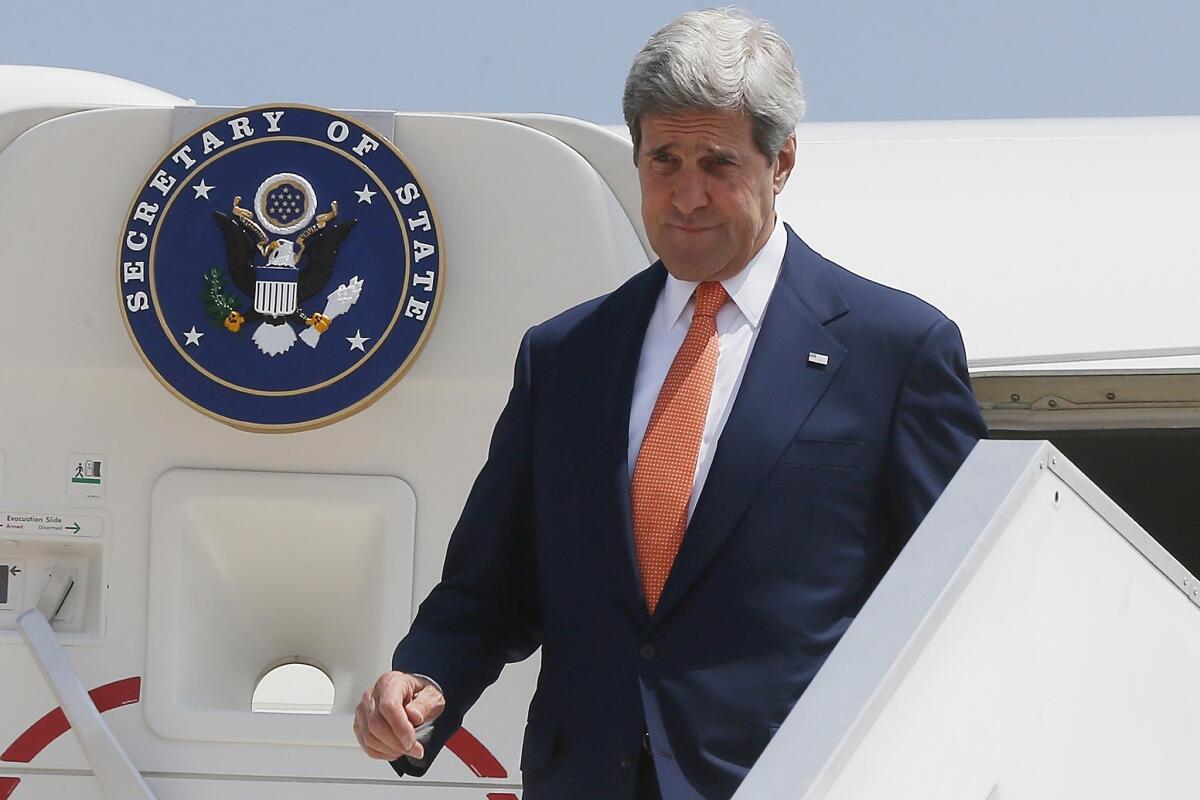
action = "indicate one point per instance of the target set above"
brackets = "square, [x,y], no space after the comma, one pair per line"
[690,191]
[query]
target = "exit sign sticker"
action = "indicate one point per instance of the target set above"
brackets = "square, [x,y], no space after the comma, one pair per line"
[85,474]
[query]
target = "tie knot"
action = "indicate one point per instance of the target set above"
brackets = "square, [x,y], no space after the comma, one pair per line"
[710,296]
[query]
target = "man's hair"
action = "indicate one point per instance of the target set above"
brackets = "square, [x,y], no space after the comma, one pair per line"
[717,60]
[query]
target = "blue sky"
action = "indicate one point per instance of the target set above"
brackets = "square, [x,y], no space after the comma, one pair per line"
[922,59]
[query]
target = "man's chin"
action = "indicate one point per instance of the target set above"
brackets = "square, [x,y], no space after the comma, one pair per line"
[685,269]
[691,263]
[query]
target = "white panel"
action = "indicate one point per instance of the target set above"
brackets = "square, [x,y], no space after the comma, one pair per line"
[250,569]
[1051,677]
[31,95]
[530,229]
[1031,642]
[609,152]
[1050,236]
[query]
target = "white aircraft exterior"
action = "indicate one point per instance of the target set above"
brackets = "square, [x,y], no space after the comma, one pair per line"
[1033,640]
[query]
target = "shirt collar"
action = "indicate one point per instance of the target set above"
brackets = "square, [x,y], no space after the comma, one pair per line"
[750,289]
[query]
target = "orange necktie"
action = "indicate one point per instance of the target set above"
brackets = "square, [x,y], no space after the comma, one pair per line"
[666,464]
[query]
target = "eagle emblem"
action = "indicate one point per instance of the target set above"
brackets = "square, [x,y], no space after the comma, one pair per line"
[294,272]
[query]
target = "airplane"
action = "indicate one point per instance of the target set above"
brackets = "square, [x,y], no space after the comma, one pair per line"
[204,560]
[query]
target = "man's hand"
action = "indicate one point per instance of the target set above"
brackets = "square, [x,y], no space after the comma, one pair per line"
[386,719]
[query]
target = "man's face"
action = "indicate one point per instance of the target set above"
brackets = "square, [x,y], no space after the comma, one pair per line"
[708,192]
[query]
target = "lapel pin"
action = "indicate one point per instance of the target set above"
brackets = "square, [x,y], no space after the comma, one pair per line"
[818,360]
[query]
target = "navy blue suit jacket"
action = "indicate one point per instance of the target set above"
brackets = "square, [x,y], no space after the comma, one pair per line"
[819,478]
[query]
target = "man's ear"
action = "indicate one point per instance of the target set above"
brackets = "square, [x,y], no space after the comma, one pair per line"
[784,163]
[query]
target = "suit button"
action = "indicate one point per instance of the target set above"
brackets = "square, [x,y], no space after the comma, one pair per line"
[649,652]
[627,760]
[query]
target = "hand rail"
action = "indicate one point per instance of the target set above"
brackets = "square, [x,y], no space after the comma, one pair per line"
[118,778]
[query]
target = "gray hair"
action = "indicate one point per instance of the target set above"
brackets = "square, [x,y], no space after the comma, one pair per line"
[717,59]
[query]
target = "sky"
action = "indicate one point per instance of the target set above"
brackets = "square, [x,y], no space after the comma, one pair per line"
[860,59]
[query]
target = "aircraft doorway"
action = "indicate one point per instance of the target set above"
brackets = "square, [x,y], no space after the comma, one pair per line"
[1136,435]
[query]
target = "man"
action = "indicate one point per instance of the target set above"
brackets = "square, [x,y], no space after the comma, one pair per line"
[699,478]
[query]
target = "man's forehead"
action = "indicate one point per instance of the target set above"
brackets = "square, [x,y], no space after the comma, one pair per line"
[706,130]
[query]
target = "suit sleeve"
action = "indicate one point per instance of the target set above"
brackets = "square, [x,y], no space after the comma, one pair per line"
[484,613]
[935,424]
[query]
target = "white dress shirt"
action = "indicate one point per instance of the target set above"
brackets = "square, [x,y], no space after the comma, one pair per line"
[738,324]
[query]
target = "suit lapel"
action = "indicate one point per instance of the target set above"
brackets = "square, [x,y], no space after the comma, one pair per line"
[778,392]
[618,348]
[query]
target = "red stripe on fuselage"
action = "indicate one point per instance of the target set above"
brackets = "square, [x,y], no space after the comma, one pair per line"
[477,757]
[40,734]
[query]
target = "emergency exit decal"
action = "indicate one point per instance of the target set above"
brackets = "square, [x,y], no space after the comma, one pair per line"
[85,474]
